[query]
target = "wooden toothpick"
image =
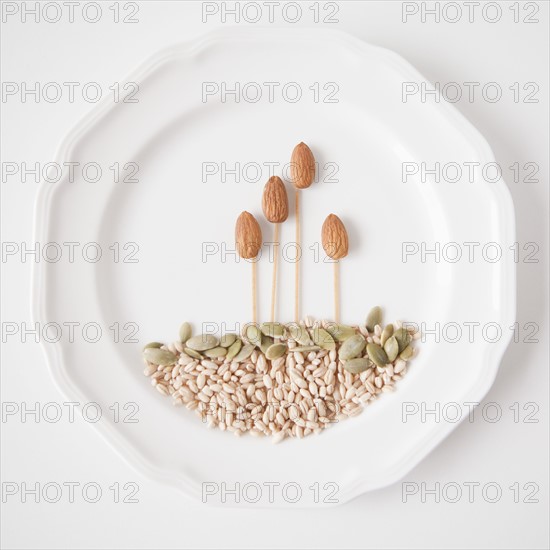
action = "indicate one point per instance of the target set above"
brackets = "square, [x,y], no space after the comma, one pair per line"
[275,207]
[335,244]
[248,238]
[302,169]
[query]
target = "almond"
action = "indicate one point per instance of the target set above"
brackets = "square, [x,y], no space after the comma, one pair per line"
[302,166]
[275,200]
[248,236]
[334,237]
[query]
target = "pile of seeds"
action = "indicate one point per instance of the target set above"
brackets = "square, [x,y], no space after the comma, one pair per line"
[281,380]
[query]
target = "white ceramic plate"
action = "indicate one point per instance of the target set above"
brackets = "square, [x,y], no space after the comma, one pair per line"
[170,212]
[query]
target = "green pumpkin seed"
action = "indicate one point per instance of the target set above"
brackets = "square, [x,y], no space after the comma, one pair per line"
[275,351]
[227,339]
[377,355]
[374,318]
[214,353]
[253,334]
[407,353]
[234,348]
[386,333]
[152,345]
[340,332]
[299,334]
[323,339]
[159,356]
[192,353]
[202,342]
[275,330]
[245,353]
[391,347]
[266,342]
[403,338]
[306,348]
[185,332]
[355,366]
[352,347]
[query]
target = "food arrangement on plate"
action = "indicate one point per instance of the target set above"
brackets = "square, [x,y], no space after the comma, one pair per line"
[275,379]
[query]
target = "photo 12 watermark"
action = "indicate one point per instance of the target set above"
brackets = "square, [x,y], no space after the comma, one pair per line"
[270,92]
[68,92]
[470,12]
[69,492]
[270,492]
[451,492]
[260,171]
[267,12]
[70,171]
[453,412]
[70,12]
[54,412]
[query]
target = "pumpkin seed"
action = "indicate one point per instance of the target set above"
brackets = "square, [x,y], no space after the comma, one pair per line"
[245,353]
[340,332]
[306,348]
[202,342]
[253,334]
[355,366]
[403,338]
[266,342]
[352,347]
[407,353]
[152,345]
[275,351]
[391,347]
[377,355]
[234,348]
[159,356]
[275,330]
[214,353]
[185,332]
[227,339]
[323,339]
[299,334]
[192,353]
[386,333]
[374,318]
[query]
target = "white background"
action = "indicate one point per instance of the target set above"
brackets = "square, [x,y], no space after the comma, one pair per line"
[503,452]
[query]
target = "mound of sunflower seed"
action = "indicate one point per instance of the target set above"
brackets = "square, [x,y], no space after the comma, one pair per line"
[281,380]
